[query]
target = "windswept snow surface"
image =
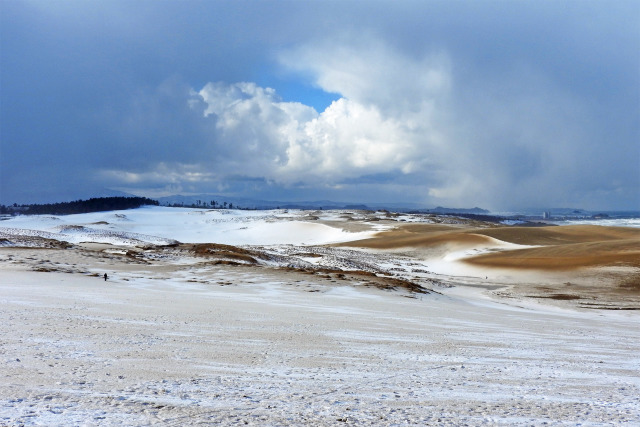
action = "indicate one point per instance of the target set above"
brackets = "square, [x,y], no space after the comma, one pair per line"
[161,225]
[172,339]
[152,350]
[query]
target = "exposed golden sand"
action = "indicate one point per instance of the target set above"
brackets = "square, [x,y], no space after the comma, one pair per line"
[566,256]
[422,235]
[556,247]
[562,235]
[593,265]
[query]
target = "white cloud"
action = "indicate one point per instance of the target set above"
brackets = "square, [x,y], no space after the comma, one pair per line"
[403,121]
[385,121]
[367,71]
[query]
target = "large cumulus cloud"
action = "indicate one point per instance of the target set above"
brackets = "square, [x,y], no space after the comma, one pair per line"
[384,122]
[513,140]
[504,141]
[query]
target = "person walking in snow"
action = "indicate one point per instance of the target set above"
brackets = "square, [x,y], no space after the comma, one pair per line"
[105,277]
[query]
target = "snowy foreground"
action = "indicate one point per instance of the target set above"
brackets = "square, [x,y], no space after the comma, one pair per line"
[171,339]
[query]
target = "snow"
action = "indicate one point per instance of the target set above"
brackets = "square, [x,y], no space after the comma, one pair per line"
[191,343]
[162,225]
[268,354]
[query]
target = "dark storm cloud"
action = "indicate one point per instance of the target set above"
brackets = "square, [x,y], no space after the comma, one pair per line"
[499,104]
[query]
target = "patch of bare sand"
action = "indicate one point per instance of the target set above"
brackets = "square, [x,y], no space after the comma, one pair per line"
[565,256]
[423,236]
[600,264]
[598,267]
[554,235]
[427,235]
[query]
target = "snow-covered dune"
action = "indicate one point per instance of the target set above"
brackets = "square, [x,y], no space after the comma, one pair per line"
[266,323]
[161,225]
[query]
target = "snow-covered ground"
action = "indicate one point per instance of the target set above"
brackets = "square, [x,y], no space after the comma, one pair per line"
[159,351]
[158,225]
[276,230]
[173,339]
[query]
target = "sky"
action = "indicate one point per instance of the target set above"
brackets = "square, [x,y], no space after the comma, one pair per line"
[498,104]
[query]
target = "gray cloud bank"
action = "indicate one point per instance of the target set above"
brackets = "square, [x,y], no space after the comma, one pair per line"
[496,104]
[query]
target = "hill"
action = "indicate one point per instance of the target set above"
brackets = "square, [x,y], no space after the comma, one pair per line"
[98,204]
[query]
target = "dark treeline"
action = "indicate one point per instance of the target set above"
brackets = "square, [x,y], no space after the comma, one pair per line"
[98,204]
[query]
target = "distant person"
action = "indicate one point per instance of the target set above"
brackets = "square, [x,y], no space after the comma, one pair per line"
[105,277]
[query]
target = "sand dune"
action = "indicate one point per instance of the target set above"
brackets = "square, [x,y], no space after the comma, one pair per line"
[432,326]
[562,235]
[566,256]
[422,235]
[556,247]
[592,266]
